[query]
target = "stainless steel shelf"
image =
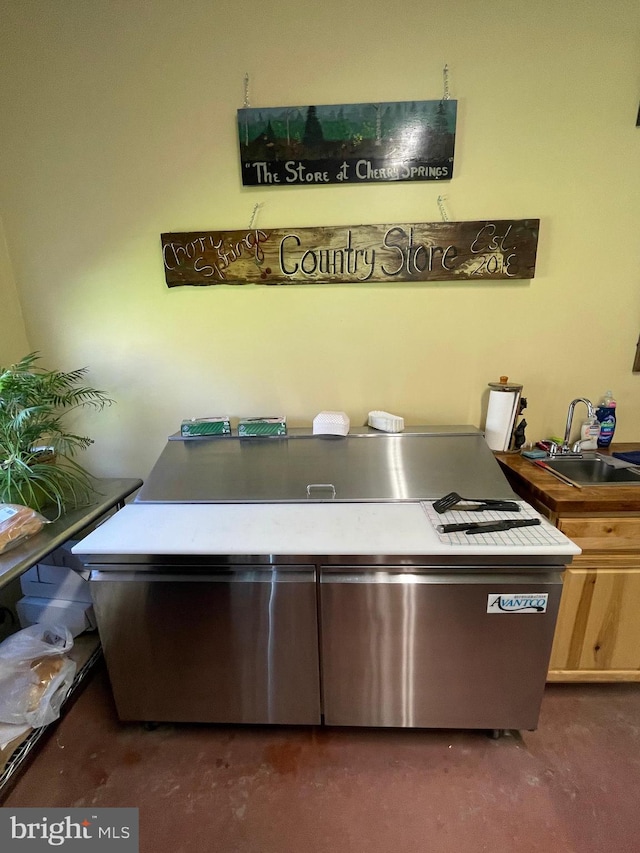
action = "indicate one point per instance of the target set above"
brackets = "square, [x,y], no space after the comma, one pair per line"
[110,495]
[17,761]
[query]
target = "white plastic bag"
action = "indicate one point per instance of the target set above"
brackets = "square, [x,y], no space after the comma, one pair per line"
[35,674]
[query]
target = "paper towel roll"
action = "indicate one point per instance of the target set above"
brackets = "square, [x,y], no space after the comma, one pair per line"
[501,416]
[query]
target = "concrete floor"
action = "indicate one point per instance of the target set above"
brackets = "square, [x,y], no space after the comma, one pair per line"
[572,786]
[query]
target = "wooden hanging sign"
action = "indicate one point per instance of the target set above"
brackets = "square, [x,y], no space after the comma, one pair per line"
[347,143]
[493,249]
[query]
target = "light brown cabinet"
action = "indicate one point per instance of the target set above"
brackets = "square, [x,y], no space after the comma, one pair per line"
[597,635]
[598,631]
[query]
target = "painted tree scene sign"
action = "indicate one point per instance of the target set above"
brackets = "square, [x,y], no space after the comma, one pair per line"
[347,143]
[442,251]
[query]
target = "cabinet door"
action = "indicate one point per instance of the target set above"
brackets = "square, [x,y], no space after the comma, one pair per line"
[421,648]
[598,632]
[218,646]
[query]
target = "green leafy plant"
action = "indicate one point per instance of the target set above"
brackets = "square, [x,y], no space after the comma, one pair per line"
[37,465]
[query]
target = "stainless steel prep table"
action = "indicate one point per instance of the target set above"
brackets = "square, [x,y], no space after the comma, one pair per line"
[305,609]
[366,465]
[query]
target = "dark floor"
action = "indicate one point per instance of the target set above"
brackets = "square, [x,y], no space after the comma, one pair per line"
[572,785]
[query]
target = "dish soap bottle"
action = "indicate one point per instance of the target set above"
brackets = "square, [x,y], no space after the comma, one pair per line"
[589,434]
[606,415]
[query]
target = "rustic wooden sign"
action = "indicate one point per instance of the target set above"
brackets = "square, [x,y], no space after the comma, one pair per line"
[347,143]
[494,249]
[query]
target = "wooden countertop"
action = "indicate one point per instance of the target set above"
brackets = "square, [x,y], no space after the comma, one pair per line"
[564,499]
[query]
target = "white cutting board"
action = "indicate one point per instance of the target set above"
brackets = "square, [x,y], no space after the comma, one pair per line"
[292,529]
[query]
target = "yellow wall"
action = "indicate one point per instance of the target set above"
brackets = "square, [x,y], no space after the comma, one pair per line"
[13,338]
[119,123]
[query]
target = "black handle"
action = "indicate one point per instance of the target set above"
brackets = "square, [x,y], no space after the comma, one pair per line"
[500,506]
[493,527]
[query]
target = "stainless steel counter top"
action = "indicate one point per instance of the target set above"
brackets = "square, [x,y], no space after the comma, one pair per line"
[422,463]
[108,493]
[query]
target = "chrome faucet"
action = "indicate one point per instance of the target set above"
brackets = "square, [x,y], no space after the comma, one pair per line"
[564,447]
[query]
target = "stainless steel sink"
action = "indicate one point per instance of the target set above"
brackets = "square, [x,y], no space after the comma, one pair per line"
[593,471]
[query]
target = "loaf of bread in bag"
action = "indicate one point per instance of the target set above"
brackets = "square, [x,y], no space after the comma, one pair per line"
[45,670]
[17,523]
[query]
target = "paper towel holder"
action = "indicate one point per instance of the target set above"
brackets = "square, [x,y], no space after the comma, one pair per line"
[519,405]
[505,385]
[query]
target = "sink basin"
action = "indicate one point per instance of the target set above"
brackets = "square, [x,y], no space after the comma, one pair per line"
[593,472]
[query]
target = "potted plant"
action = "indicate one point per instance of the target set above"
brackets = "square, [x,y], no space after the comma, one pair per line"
[37,465]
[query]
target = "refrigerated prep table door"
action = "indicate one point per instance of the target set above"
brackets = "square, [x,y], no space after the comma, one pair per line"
[419,648]
[211,646]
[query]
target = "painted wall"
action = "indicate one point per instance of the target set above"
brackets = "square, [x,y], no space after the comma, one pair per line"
[13,337]
[119,124]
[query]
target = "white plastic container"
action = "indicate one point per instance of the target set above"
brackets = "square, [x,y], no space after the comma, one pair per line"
[331,423]
[43,581]
[77,616]
[386,422]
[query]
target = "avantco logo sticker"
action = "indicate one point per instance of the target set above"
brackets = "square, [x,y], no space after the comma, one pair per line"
[515,602]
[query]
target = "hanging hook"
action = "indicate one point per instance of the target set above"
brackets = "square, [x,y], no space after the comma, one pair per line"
[256,207]
[246,90]
[445,80]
